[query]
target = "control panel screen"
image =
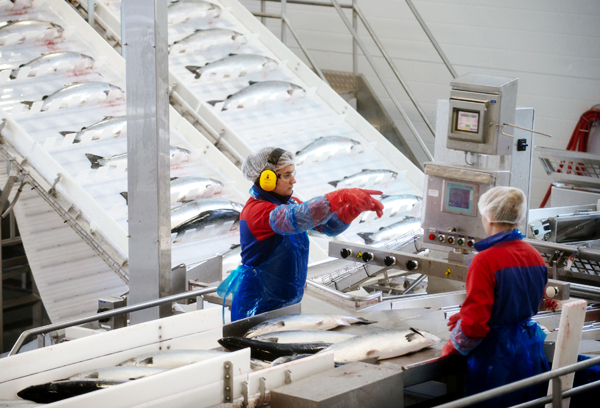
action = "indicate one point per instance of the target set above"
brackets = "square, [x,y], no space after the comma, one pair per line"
[467,121]
[459,198]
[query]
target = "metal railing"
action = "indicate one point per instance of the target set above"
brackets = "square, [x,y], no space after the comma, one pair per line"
[356,43]
[554,376]
[104,315]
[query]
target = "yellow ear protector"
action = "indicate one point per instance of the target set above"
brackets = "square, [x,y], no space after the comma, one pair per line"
[268,178]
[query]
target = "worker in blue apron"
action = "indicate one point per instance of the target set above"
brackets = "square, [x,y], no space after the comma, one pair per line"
[273,233]
[505,286]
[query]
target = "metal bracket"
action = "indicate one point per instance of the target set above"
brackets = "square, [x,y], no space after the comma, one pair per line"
[228,381]
[245,393]
[52,190]
[288,377]
[262,387]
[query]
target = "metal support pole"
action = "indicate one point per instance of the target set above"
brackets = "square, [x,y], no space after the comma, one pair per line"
[383,80]
[148,157]
[123,30]
[556,393]
[283,20]
[263,9]
[354,44]
[432,38]
[91,7]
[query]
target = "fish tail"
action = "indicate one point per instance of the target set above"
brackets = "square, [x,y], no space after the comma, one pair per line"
[194,70]
[213,103]
[66,132]
[334,183]
[367,236]
[14,73]
[95,160]
[28,103]
[125,196]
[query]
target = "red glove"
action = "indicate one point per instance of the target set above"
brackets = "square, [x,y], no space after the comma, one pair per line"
[448,349]
[453,320]
[348,203]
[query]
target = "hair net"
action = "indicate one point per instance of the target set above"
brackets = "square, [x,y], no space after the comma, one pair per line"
[257,162]
[503,204]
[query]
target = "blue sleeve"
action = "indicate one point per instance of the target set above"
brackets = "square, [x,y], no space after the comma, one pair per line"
[463,344]
[296,218]
[333,227]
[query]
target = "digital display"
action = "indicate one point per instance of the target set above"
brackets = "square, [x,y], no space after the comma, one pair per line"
[459,198]
[467,121]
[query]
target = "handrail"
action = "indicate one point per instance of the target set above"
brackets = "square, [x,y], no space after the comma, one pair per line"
[557,394]
[382,79]
[431,38]
[115,312]
[373,296]
[394,69]
[303,48]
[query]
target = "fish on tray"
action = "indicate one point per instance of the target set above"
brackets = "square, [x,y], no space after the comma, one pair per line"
[269,351]
[307,321]
[395,230]
[117,123]
[170,359]
[324,147]
[260,91]
[201,40]
[54,60]
[181,11]
[189,188]
[99,161]
[22,27]
[188,212]
[381,344]
[366,177]
[304,336]
[83,90]
[243,64]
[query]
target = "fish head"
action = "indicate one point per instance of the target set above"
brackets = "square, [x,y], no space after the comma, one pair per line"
[115,88]
[293,88]
[59,29]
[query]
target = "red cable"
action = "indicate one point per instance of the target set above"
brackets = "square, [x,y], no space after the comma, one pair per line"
[579,139]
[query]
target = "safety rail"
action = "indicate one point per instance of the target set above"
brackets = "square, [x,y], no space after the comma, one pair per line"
[104,315]
[557,393]
[357,42]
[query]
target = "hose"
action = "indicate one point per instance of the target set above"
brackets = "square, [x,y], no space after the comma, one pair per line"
[579,138]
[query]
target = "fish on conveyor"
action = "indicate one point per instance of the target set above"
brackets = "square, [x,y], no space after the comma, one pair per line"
[287,359]
[60,390]
[392,231]
[183,10]
[189,211]
[22,27]
[255,365]
[56,59]
[366,177]
[325,146]
[170,359]
[405,204]
[307,321]
[119,123]
[181,187]
[209,219]
[243,63]
[231,259]
[202,40]
[266,90]
[84,90]
[99,161]
[304,336]
[269,351]
[116,373]
[382,344]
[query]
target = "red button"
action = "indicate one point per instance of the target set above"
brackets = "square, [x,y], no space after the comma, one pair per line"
[431,236]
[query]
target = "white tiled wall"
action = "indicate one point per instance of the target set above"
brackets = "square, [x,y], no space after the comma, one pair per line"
[552,46]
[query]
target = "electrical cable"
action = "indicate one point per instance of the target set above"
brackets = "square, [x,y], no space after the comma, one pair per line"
[579,139]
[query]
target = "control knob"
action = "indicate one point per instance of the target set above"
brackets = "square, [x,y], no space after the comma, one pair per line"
[367,256]
[389,260]
[412,264]
[345,252]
